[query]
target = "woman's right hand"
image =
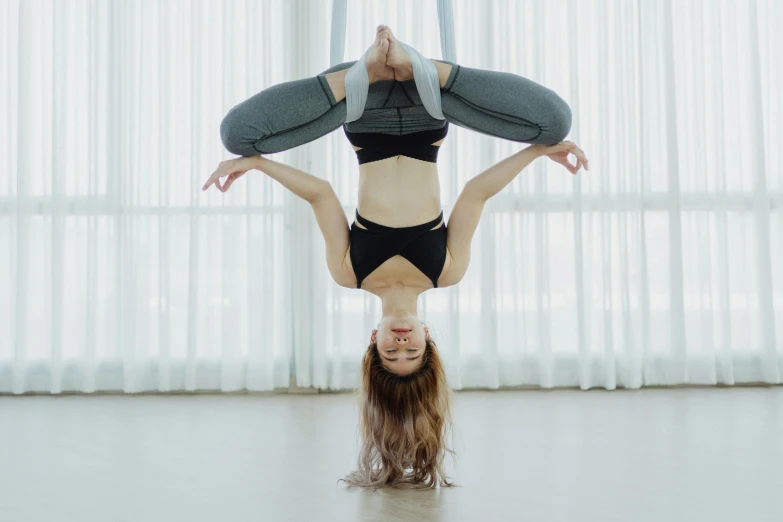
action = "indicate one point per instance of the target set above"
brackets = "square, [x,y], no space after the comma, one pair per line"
[233,168]
[559,154]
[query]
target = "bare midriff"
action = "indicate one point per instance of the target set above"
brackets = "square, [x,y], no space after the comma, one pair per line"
[399,191]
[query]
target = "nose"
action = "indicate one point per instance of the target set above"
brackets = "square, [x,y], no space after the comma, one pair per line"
[402,339]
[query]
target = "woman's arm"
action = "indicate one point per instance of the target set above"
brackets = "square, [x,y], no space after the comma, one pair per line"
[300,183]
[304,185]
[328,212]
[336,232]
[496,177]
[467,210]
[316,191]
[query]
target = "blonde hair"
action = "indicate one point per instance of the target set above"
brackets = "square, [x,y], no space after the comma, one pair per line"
[404,422]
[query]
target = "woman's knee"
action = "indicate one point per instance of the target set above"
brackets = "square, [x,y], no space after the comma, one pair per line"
[233,133]
[558,123]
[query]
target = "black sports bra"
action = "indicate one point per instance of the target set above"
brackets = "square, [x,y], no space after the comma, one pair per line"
[376,146]
[423,247]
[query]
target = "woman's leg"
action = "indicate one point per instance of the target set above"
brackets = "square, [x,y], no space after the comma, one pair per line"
[286,115]
[293,113]
[500,104]
[504,105]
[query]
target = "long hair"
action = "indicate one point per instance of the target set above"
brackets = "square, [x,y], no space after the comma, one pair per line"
[404,423]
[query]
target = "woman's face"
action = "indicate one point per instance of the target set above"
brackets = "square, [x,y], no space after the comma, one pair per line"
[401,341]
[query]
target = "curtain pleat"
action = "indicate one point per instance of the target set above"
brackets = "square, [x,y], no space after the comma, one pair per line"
[656,267]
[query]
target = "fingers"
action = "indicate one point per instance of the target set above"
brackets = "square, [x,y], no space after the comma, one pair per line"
[567,164]
[225,166]
[569,147]
[214,179]
[575,169]
[580,155]
[229,180]
[234,169]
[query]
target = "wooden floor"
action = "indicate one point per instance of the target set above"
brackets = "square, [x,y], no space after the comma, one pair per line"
[663,455]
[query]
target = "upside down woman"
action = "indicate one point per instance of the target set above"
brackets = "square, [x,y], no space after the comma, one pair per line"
[395,107]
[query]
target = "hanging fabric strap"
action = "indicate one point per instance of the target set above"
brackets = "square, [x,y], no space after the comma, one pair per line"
[427,82]
[425,75]
[339,15]
[448,46]
[357,85]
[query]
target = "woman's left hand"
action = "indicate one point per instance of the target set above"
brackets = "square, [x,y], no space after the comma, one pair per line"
[233,168]
[559,154]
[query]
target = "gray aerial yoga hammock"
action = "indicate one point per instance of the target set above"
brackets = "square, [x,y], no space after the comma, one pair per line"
[425,75]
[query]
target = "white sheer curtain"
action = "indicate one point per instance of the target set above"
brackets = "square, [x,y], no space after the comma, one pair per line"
[117,271]
[656,267]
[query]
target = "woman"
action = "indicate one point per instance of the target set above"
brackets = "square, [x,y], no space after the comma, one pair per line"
[398,247]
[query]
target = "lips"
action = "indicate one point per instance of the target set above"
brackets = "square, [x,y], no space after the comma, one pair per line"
[401,330]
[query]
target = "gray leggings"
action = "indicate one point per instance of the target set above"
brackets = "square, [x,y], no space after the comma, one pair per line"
[498,104]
